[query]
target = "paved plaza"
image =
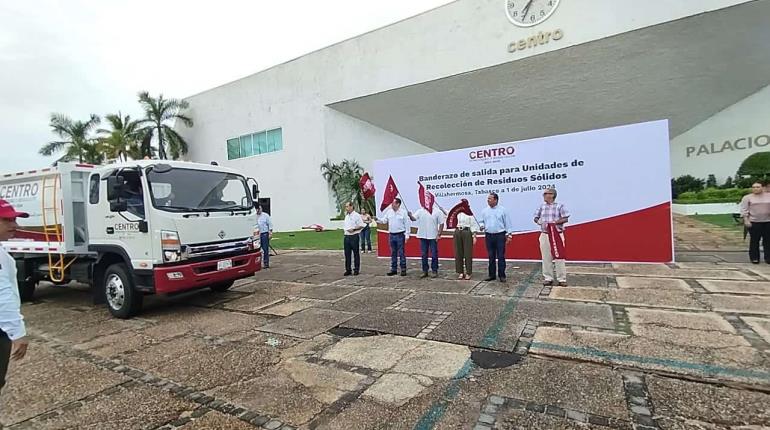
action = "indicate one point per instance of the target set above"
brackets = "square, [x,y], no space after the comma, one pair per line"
[679,346]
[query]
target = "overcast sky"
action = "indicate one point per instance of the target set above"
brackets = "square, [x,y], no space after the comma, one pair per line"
[79,57]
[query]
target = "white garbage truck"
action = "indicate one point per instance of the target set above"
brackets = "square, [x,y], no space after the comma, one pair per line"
[133,229]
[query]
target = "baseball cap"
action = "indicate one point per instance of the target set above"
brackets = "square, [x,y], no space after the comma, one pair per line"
[7,211]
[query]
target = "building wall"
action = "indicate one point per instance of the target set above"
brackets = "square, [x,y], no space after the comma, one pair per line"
[719,145]
[462,36]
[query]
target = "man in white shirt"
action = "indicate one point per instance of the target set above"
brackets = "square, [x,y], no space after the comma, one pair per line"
[353,226]
[429,229]
[265,224]
[13,343]
[398,226]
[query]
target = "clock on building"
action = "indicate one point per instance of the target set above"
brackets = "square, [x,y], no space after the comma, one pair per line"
[526,13]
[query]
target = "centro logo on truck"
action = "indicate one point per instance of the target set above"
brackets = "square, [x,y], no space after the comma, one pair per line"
[19,190]
[492,153]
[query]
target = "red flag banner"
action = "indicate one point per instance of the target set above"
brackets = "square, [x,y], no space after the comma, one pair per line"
[367,186]
[557,245]
[462,207]
[391,192]
[427,199]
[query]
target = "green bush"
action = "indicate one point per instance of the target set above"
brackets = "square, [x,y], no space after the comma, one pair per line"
[713,195]
[684,184]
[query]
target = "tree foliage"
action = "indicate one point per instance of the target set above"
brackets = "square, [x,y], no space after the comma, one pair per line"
[76,142]
[343,178]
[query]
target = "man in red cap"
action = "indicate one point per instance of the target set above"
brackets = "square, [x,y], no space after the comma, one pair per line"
[13,343]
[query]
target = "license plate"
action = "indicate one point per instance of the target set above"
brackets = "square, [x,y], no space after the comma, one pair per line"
[224,264]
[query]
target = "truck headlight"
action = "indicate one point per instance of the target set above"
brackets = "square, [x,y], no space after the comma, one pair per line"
[255,239]
[171,246]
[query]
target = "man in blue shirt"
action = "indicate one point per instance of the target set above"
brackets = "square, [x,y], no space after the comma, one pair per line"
[265,224]
[13,343]
[496,225]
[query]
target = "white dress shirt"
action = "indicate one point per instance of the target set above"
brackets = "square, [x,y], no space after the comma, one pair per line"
[11,321]
[398,222]
[353,221]
[428,224]
[467,221]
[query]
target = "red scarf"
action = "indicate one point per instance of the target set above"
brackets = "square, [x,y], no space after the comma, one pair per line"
[557,245]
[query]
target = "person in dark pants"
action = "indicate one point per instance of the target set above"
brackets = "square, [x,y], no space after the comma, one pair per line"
[755,210]
[366,233]
[398,226]
[496,225]
[265,224]
[13,341]
[353,226]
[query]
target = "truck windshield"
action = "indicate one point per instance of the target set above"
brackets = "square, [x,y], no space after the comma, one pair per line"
[187,190]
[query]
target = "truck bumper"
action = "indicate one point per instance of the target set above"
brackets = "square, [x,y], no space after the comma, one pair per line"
[183,277]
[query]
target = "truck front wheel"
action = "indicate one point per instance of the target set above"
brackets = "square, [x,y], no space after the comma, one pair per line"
[221,287]
[123,300]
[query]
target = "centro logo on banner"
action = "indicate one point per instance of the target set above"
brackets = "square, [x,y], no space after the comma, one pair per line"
[492,153]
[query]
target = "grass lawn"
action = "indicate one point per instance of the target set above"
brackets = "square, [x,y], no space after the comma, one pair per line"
[722,220]
[308,239]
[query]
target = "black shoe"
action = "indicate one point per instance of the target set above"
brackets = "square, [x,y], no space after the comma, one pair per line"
[491,278]
[434,275]
[403,273]
[547,283]
[346,274]
[755,261]
[502,279]
[355,273]
[562,283]
[424,275]
[392,273]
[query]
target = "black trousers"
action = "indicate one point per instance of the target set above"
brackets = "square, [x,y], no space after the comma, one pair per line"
[5,356]
[496,251]
[351,246]
[757,231]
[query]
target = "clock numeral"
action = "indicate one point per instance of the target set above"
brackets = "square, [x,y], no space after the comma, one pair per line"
[515,14]
[542,13]
[532,18]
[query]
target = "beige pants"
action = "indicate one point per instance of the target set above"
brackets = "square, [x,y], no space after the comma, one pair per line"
[549,263]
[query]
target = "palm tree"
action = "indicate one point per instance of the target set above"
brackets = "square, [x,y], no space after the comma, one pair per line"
[122,139]
[76,139]
[158,111]
[343,179]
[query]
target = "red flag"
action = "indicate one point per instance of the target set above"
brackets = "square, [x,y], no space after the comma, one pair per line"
[367,186]
[427,199]
[391,192]
[462,207]
[557,245]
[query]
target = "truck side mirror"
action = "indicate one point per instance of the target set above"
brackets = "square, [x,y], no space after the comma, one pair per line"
[115,185]
[254,192]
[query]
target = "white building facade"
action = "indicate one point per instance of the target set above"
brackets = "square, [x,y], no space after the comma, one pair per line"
[468,73]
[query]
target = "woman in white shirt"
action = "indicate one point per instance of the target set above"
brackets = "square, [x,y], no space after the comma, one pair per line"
[465,240]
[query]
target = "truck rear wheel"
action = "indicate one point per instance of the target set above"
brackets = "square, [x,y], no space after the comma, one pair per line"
[221,287]
[123,300]
[27,290]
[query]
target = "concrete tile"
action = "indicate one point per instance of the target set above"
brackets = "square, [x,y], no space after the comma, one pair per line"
[584,314]
[681,404]
[738,304]
[214,420]
[369,300]
[392,322]
[434,359]
[571,385]
[707,321]
[286,308]
[254,302]
[372,352]
[522,419]
[136,407]
[326,384]
[760,325]
[308,323]
[578,280]
[327,292]
[46,380]
[396,388]
[627,282]
[180,320]
[653,298]
[742,287]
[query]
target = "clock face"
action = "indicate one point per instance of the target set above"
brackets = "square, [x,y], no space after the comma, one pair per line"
[526,13]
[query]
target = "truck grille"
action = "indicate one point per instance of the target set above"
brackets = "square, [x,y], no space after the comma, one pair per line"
[218,248]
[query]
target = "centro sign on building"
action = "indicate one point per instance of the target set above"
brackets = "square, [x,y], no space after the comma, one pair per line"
[474,73]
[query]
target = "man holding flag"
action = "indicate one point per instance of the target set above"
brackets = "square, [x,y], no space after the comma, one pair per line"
[397,220]
[429,229]
[551,217]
